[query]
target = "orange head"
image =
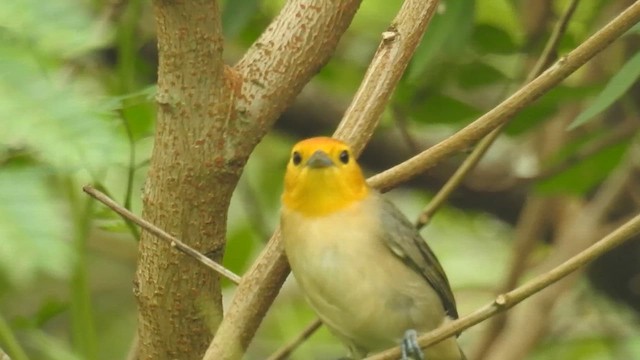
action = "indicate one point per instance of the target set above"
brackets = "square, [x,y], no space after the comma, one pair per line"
[322,176]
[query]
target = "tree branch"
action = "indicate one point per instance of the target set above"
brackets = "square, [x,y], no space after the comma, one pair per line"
[508,300]
[505,110]
[209,120]
[161,234]
[262,282]
[294,47]
[289,347]
[398,44]
[533,214]
[577,229]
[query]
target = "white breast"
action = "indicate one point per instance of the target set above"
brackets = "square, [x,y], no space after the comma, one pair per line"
[359,288]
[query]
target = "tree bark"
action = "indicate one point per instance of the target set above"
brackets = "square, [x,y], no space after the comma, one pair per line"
[189,185]
[210,117]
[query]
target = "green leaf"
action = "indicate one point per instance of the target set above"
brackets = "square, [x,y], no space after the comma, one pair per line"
[33,228]
[478,74]
[615,88]
[49,309]
[493,40]
[501,14]
[138,108]
[447,35]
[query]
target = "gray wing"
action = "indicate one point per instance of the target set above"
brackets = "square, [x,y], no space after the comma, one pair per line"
[409,246]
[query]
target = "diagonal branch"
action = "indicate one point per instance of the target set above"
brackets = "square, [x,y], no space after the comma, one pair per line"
[508,300]
[529,221]
[505,110]
[285,351]
[292,49]
[398,44]
[161,234]
[262,282]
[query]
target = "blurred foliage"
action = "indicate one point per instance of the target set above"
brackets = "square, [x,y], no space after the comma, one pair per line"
[76,106]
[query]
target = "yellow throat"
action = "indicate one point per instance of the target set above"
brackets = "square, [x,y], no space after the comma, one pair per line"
[322,177]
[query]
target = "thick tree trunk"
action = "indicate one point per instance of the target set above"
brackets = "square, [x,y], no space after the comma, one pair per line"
[189,186]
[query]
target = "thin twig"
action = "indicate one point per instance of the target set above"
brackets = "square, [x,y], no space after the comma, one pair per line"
[508,300]
[288,348]
[130,225]
[131,167]
[401,123]
[175,242]
[530,220]
[456,179]
[480,150]
[392,57]
[551,47]
[577,229]
[509,107]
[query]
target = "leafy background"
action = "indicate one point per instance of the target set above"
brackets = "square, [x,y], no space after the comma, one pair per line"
[77,106]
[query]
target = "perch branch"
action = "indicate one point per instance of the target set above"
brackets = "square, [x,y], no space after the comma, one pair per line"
[398,44]
[262,282]
[505,110]
[508,300]
[533,211]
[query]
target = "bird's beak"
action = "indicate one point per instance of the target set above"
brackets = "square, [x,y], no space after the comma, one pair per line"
[319,160]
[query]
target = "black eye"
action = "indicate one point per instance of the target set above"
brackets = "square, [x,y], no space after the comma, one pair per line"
[296,158]
[344,156]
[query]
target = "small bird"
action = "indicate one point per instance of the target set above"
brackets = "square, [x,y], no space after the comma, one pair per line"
[362,265]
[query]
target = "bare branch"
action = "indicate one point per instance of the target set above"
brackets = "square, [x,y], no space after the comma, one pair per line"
[391,59]
[161,234]
[577,229]
[551,47]
[262,282]
[508,300]
[288,348]
[504,111]
[298,42]
[458,176]
[532,214]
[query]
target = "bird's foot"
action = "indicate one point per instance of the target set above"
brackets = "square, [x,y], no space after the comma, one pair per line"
[410,347]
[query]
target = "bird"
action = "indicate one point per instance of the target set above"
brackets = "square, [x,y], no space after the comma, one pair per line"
[363,267]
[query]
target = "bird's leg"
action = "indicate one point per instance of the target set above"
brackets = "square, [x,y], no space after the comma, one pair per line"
[410,347]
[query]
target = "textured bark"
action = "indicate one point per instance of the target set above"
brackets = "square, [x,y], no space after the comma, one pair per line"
[210,117]
[192,175]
